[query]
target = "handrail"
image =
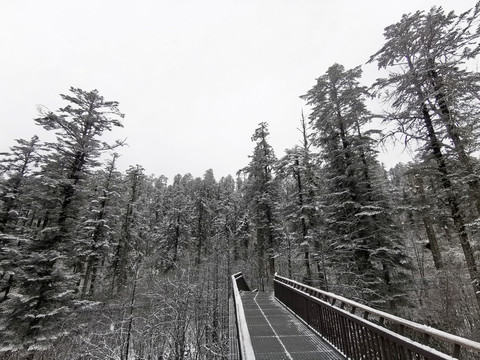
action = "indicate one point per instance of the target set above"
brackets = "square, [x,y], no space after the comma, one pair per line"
[426,331]
[244,341]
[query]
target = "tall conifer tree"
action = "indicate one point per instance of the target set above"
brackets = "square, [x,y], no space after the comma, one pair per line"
[367,250]
[261,194]
[434,100]
[47,290]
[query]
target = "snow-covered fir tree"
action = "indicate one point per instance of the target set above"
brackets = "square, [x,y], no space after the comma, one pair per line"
[366,248]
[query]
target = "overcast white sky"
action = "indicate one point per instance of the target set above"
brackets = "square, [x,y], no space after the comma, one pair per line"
[194,78]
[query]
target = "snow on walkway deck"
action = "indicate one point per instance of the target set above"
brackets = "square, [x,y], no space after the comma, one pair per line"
[278,334]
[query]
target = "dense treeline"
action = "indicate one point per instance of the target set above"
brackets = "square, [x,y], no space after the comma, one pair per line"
[100,264]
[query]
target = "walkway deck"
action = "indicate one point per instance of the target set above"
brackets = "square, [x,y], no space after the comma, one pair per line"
[278,334]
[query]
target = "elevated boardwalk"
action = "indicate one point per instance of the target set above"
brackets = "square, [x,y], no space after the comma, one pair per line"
[277,334]
[298,321]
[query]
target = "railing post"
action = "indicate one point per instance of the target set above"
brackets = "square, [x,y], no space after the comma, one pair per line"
[456,351]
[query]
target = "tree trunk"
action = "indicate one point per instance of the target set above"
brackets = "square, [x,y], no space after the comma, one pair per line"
[453,133]
[260,258]
[452,200]
[130,320]
[200,233]
[321,270]
[306,259]
[457,216]
[432,238]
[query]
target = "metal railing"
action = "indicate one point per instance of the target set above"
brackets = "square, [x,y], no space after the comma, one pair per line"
[333,317]
[245,348]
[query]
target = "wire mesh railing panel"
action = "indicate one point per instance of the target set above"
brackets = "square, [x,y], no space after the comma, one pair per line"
[354,336]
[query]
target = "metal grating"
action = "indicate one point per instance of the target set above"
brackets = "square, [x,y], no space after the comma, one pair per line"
[277,334]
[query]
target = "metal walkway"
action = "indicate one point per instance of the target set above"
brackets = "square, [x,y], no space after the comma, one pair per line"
[277,334]
[298,321]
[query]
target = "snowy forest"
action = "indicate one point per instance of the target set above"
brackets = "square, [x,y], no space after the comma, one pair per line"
[96,263]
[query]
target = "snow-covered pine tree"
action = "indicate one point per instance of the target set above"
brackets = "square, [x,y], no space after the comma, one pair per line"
[368,254]
[261,194]
[205,199]
[127,244]
[434,99]
[299,206]
[97,226]
[15,166]
[36,315]
[177,218]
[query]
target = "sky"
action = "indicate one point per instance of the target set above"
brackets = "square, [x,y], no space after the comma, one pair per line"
[194,78]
